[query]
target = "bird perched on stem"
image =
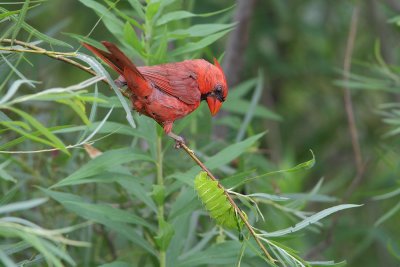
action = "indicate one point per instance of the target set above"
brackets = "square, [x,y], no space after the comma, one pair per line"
[167,92]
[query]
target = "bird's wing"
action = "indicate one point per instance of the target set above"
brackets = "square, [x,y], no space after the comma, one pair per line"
[174,79]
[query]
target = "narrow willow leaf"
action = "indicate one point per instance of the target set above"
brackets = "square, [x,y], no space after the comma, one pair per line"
[56,142]
[182,14]
[387,195]
[116,264]
[222,253]
[201,30]
[104,162]
[37,33]
[138,8]
[162,47]
[16,247]
[16,71]
[107,127]
[23,205]
[21,139]
[13,89]
[195,46]
[97,128]
[388,215]
[126,231]
[309,220]
[326,263]
[253,105]
[76,106]
[241,106]
[268,196]
[122,15]
[132,39]
[112,23]
[7,261]
[26,135]
[221,158]
[108,212]
[151,9]
[5,175]
[21,18]
[240,90]
[136,189]
[9,13]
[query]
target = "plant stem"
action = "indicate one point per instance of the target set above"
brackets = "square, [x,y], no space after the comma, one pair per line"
[160,208]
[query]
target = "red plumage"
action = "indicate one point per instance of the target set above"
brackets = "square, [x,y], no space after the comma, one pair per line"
[169,91]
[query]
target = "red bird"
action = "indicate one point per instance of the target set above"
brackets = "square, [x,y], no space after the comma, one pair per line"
[169,91]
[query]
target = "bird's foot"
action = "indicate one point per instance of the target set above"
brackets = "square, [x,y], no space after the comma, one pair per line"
[179,140]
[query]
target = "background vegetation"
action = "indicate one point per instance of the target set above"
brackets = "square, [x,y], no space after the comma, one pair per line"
[313,74]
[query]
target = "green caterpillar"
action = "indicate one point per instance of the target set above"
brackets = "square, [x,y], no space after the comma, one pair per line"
[217,204]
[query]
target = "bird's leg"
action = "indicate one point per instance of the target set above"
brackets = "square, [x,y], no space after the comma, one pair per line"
[178,139]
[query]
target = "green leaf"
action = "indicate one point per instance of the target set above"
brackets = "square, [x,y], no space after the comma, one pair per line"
[201,30]
[132,39]
[138,8]
[152,9]
[240,106]
[22,205]
[95,211]
[185,202]
[21,139]
[164,235]
[38,34]
[7,261]
[235,182]
[55,141]
[129,19]
[221,158]
[106,161]
[100,215]
[388,215]
[116,264]
[195,46]
[108,127]
[225,253]
[113,24]
[76,106]
[182,14]
[135,188]
[309,220]
[21,18]
[25,134]
[162,48]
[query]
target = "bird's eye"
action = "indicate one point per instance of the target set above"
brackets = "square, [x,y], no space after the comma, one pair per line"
[218,88]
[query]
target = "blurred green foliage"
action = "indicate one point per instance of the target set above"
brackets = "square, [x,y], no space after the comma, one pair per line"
[291,84]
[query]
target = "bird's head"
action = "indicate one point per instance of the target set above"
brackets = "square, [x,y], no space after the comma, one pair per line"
[217,89]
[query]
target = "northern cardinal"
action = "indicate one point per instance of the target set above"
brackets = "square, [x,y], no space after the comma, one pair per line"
[169,91]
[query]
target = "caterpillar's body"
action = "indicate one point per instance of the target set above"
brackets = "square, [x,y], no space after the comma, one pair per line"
[216,202]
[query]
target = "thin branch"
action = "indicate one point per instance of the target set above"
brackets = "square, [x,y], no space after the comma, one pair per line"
[53,54]
[237,209]
[347,96]
[360,165]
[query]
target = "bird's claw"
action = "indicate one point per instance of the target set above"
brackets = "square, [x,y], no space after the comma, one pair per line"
[179,141]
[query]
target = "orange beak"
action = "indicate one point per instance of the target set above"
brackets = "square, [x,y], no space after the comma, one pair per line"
[213,104]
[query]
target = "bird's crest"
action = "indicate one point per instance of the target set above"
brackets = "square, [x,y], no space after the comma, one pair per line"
[216,63]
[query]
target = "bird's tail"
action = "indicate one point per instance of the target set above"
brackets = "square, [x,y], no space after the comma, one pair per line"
[117,60]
